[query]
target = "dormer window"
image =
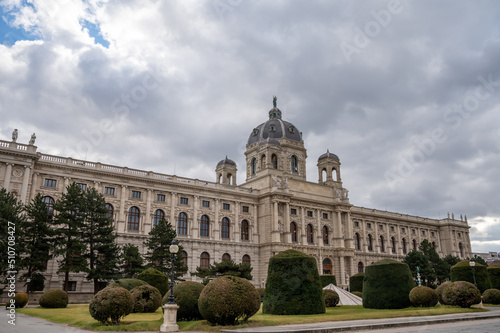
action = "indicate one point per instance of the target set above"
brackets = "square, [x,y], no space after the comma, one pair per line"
[291,129]
[255,131]
[272,128]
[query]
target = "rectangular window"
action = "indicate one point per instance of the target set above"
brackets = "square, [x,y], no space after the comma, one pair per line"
[369,225]
[423,232]
[184,201]
[205,203]
[392,228]
[432,234]
[226,206]
[325,216]
[71,286]
[245,209]
[160,197]
[50,182]
[380,227]
[403,230]
[356,223]
[136,194]
[109,190]
[293,211]
[459,235]
[309,213]
[413,231]
[82,186]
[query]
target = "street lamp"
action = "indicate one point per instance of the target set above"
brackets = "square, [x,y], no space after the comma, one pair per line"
[170,308]
[28,280]
[472,264]
[174,248]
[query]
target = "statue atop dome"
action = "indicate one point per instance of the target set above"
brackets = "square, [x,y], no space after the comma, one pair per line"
[274,101]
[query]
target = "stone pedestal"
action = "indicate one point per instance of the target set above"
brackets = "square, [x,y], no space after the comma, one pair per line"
[169,318]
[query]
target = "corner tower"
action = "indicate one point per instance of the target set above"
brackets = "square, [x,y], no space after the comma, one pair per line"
[275,147]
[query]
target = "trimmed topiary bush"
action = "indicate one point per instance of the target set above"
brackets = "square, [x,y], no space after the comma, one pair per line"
[146,299]
[54,298]
[356,282]
[331,298]
[326,279]
[155,278]
[387,285]
[463,272]
[293,286]
[186,295]
[128,284]
[494,275]
[20,300]
[461,293]
[227,300]
[358,293]
[491,296]
[423,296]
[440,290]
[111,304]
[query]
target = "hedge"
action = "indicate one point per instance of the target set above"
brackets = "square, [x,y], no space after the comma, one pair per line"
[186,295]
[463,272]
[155,278]
[128,284]
[356,282]
[326,279]
[494,275]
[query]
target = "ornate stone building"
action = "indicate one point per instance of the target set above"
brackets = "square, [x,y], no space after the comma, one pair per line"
[274,210]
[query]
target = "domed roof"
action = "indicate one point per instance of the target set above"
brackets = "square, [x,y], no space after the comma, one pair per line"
[275,128]
[271,141]
[226,161]
[328,155]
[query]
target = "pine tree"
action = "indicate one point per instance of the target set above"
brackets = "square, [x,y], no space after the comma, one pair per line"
[158,255]
[132,262]
[99,237]
[68,237]
[11,222]
[416,259]
[37,238]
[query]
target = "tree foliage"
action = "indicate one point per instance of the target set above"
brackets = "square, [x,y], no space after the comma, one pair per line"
[131,261]
[226,267]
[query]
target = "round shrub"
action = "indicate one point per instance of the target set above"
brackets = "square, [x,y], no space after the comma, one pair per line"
[387,285]
[440,290]
[261,292]
[491,296]
[155,278]
[186,295]
[54,298]
[331,298]
[128,284]
[494,275]
[146,299]
[227,300]
[111,304]
[358,293]
[20,300]
[461,293]
[463,272]
[293,286]
[326,279]
[423,296]
[356,282]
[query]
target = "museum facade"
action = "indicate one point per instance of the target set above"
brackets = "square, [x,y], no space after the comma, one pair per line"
[276,208]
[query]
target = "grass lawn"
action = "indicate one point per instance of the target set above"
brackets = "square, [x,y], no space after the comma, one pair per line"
[79,316]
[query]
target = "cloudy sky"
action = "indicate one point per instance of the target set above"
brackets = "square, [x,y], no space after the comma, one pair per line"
[406,93]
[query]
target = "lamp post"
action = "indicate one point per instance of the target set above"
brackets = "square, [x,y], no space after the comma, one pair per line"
[28,280]
[472,264]
[170,308]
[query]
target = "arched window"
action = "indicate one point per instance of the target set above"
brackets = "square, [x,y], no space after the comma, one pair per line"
[245,259]
[357,244]
[381,244]
[226,257]
[110,211]
[414,245]
[403,244]
[49,203]
[224,232]
[325,235]
[263,162]
[361,267]
[293,231]
[324,177]
[254,166]
[158,215]
[182,221]
[334,174]
[369,243]
[204,226]
[294,166]
[133,218]
[461,249]
[434,245]
[327,266]
[310,234]
[274,159]
[184,257]
[393,245]
[204,260]
[244,230]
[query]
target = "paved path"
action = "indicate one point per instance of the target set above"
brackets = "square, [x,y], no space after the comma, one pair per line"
[28,324]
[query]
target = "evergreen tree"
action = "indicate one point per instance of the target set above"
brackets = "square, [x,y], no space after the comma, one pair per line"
[479,260]
[226,267]
[439,267]
[158,255]
[68,233]
[131,261]
[99,237]
[11,223]
[37,238]
[416,259]
[451,260]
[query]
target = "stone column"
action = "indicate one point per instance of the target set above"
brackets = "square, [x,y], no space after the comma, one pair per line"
[169,318]
[66,184]
[275,231]
[376,241]
[364,237]
[303,235]
[8,173]
[256,238]
[319,236]
[173,200]
[337,230]
[123,196]
[194,224]
[342,271]
[237,226]
[216,227]
[286,227]
[400,247]
[24,188]
[34,185]
[147,225]
[349,243]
